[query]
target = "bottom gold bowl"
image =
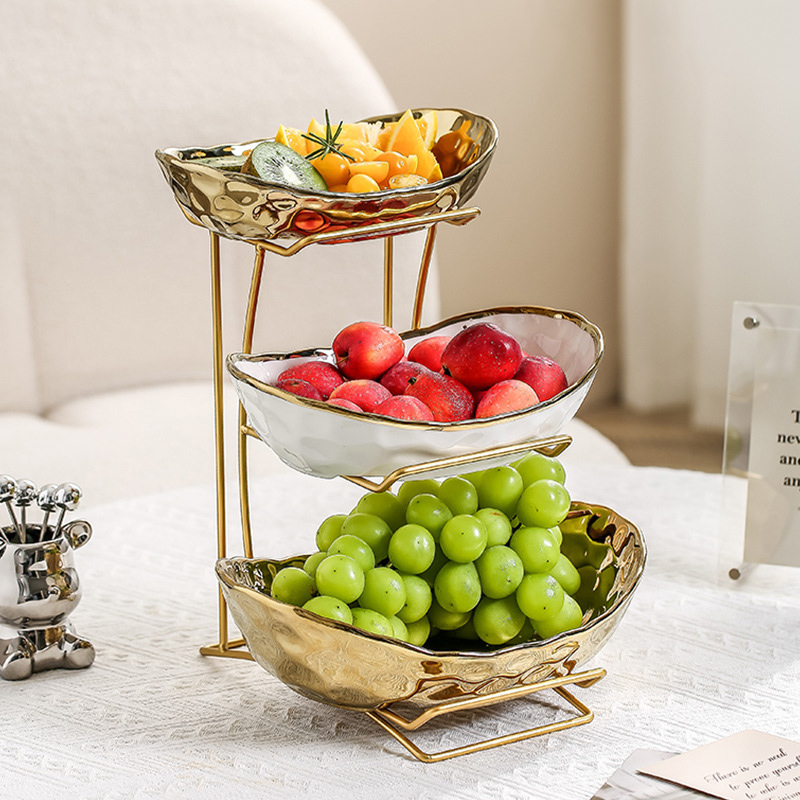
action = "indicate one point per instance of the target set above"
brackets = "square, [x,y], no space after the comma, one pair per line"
[341,665]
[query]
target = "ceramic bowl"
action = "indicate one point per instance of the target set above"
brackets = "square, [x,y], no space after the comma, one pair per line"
[341,665]
[241,206]
[326,441]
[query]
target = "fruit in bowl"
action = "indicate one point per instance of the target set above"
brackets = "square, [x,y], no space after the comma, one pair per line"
[424,566]
[398,172]
[423,596]
[326,439]
[480,374]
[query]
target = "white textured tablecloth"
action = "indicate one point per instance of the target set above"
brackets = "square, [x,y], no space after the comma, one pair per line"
[692,661]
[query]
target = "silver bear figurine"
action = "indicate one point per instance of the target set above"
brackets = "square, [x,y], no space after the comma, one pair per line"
[39,589]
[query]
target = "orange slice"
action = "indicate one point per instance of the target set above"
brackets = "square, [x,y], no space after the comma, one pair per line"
[315,127]
[405,137]
[377,170]
[436,174]
[428,124]
[292,137]
[427,165]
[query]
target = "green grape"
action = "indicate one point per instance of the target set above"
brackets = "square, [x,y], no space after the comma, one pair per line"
[567,619]
[457,587]
[500,488]
[412,488]
[459,494]
[311,563]
[537,547]
[445,620]
[399,628]
[412,549]
[463,538]
[340,576]
[466,631]
[556,531]
[473,477]
[429,511]
[566,574]
[543,504]
[418,598]
[540,596]
[384,591]
[292,585]
[367,619]
[356,548]
[370,529]
[418,632]
[537,467]
[500,571]
[525,635]
[439,560]
[497,620]
[330,607]
[329,529]
[385,505]
[498,525]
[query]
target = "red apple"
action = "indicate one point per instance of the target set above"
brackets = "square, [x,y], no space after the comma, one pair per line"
[298,387]
[429,352]
[543,375]
[365,350]
[405,407]
[321,374]
[366,394]
[506,396]
[343,402]
[482,355]
[449,400]
[396,378]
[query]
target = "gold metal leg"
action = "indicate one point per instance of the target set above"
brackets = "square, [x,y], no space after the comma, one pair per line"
[388,279]
[422,279]
[247,347]
[224,647]
[223,644]
[394,724]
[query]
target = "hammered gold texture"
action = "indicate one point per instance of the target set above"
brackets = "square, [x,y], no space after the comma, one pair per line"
[244,207]
[338,664]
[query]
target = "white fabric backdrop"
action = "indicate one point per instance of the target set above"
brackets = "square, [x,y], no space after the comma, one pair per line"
[711,188]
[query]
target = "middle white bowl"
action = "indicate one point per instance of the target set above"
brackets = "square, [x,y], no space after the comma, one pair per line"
[327,441]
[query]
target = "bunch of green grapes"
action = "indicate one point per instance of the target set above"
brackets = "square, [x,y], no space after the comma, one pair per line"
[477,556]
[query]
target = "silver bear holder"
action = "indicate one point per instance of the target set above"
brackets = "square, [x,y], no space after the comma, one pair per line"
[39,585]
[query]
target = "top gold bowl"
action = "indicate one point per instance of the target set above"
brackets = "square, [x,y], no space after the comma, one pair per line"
[341,665]
[245,207]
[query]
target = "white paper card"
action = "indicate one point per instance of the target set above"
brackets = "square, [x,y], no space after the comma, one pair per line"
[627,783]
[746,766]
[772,524]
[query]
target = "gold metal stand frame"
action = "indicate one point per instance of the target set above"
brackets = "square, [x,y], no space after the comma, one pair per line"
[226,647]
[393,723]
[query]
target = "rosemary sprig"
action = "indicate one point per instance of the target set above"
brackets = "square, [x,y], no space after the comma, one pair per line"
[329,143]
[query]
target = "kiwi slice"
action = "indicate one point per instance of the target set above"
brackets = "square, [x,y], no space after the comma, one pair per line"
[229,163]
[277,163]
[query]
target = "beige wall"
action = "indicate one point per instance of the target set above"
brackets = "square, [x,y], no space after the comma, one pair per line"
[548,73]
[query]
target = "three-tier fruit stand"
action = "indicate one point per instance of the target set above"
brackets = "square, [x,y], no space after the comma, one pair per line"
[281,224]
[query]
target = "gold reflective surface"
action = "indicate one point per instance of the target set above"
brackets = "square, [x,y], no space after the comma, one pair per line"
[242,206]
[339,664]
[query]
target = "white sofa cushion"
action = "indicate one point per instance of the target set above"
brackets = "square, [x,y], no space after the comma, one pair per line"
[106,285]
